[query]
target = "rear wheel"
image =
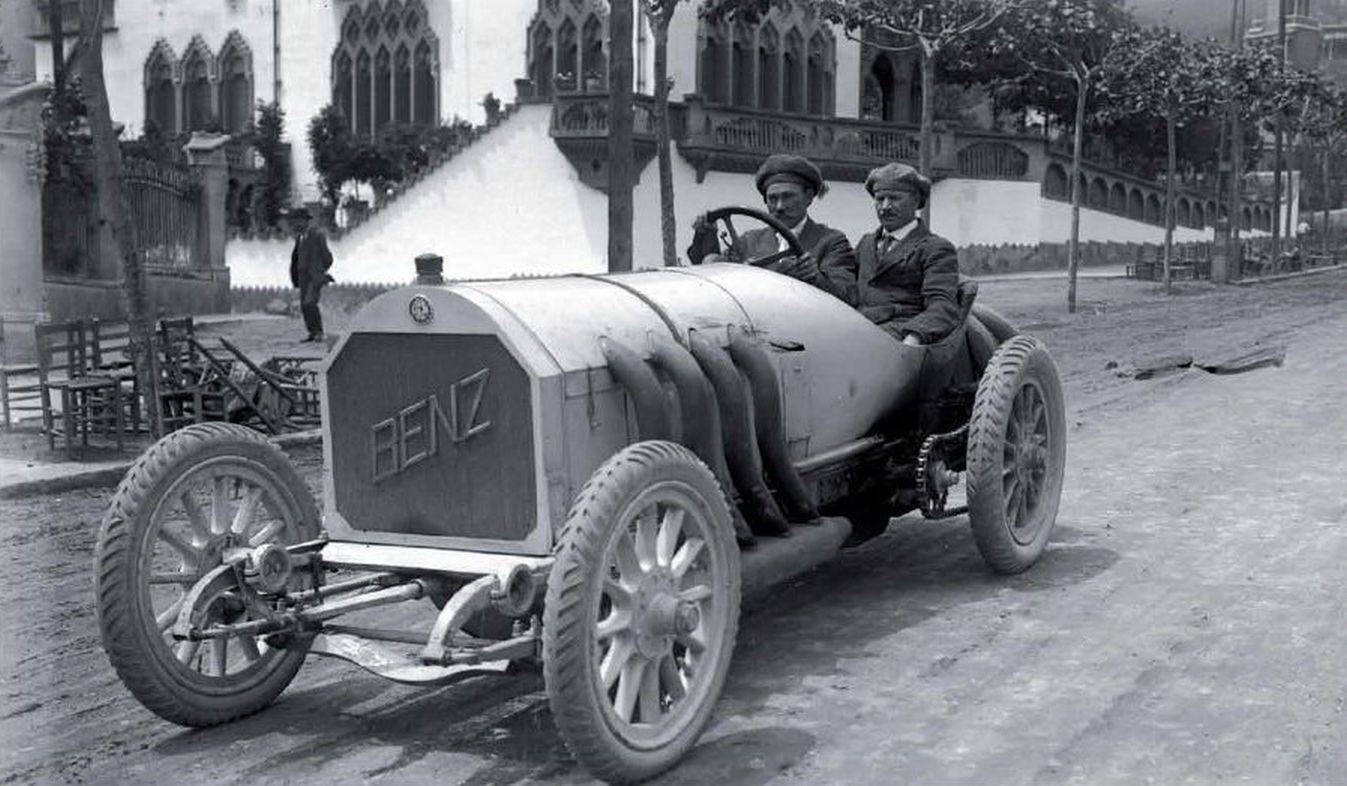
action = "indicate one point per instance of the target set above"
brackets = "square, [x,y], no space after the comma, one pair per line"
[1016,455]
[194,494]
[641,612]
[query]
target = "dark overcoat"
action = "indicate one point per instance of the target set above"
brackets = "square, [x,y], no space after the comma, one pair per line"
[911,288]
[310,260]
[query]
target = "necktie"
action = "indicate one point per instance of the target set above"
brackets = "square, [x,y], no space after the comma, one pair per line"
[887,242]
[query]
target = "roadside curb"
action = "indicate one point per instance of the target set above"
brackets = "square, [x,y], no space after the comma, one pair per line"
[111,474]
[1249,282]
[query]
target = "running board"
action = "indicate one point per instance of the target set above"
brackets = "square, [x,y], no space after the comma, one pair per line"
[774,560]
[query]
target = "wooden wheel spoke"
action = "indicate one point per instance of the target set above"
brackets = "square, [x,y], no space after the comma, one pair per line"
[647,524]
[625,552]
[220,656]
[671,678]
[615,660]
[687,555]
[266,534]
[189,552]
[248,646]
[629,687]
[219,505]
[247,507]
[165,619]
[696,594]
[670,529]
[695,641]
[613,624]
[649,701]
[617,592]
[186,651]
[194,515]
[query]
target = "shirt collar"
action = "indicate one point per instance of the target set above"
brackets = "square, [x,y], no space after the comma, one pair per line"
[798,228]
[902,231]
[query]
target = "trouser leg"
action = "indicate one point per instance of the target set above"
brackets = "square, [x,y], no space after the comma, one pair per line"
[308,306]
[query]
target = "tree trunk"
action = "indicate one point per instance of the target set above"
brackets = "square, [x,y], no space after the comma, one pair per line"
[1169,199]
[620,118]
[1327,185]
[113,207]
[927,121]
[57,28]
[1234,252]
[1077,145]
[668,223]
[1277,197]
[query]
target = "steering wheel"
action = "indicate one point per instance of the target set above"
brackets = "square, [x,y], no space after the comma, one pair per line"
[724,214]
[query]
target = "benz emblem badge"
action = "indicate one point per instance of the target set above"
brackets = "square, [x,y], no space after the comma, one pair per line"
[420,309]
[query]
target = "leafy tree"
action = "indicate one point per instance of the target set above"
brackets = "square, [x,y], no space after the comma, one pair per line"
[270,143]
[332,148]
[1054,51]
[930,27]
[1325,127]
[1158,73]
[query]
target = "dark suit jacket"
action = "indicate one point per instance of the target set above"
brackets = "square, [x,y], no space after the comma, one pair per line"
[835,271]
[310,259]
[913,288]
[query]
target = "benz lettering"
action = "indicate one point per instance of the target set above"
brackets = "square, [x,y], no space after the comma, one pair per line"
[413,434]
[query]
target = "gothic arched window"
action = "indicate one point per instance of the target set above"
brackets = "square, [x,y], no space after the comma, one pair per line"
[713,74]
[161,94]
[425,110]
[386,67]
[198,108]
[819,81]
[361,124]
[543,55]
[792,73]
[383,88]
[769,68]
[236,85]
[595,67]
[568,57]
[741,65]
[402,85]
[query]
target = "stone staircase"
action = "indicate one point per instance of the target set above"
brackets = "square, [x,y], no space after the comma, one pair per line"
[354,220]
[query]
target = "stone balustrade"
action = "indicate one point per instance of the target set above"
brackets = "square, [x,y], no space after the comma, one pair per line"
[734,139]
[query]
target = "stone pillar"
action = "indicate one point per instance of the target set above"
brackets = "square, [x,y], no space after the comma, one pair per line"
[22,300]
[206,155]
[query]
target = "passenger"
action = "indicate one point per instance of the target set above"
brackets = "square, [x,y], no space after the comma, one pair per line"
[788,184]
[908,277]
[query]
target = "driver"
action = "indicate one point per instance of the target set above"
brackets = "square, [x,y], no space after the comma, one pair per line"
[789,185]
[908,277]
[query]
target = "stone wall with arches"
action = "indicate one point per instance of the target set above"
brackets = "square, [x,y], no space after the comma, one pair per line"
[1140,200]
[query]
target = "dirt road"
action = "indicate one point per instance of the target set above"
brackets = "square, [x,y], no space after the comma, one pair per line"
[1185,624]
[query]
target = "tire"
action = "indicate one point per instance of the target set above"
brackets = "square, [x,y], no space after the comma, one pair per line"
[1000,327]
[146,554]
[1016,455]
[617,612]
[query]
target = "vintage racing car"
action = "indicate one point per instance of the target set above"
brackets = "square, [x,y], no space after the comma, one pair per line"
[581,474]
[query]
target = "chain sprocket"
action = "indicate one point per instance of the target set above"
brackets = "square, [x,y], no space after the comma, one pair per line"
[934,478]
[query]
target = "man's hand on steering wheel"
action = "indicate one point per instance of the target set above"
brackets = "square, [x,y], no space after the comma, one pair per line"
[802,267]
[705,221]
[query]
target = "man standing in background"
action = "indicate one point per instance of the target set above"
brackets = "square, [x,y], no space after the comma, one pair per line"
[309,263]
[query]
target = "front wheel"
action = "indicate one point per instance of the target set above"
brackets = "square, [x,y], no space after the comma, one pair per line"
[1016,455]
[641,612]
[191,497]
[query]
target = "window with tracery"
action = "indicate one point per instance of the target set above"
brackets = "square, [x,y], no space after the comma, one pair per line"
[568,47]
[386,66]
[161,89]
[201,91]
[769,65]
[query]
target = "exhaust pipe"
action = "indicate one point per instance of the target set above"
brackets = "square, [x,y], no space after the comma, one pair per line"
[741,446]
[752,359]
[652,412]
[701,419]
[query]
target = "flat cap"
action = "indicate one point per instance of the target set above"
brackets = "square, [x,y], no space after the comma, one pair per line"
[791,169]
[897,175]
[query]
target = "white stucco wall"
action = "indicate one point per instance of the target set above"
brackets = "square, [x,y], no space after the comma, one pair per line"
[512,204]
